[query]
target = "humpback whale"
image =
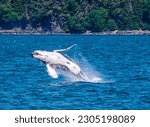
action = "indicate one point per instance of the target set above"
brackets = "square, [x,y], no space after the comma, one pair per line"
[55,60]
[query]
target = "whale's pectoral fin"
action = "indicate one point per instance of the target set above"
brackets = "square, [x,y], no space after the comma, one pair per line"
[51,71]
[62,50]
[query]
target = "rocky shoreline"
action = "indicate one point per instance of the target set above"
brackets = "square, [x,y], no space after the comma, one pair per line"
[122,32]
[40,32]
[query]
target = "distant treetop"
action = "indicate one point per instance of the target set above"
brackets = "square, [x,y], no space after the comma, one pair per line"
[75,16]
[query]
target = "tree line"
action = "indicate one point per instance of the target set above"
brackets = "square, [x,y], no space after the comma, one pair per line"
[75,16]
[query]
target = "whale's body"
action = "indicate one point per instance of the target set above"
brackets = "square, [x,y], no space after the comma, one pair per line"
[55,60]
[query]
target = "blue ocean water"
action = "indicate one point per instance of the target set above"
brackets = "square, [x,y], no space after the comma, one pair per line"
[123,62]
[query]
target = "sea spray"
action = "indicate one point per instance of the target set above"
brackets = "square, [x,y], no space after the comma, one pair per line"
[91,73]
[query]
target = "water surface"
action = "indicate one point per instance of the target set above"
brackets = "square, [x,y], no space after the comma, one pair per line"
[122,61]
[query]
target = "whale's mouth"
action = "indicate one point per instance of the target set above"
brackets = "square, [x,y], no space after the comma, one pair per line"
[35,53]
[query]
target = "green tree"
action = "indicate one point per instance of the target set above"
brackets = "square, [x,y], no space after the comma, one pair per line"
[76,15]
[9,17]
[111,25]
[72,6]
[74,25]
[8,13]
[146,15]
[96,20]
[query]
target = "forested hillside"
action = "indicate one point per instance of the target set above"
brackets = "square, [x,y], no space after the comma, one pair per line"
[75,16]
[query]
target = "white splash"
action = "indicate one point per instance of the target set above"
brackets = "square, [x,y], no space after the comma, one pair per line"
[91,74]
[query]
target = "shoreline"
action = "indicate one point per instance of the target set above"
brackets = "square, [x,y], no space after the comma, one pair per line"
[35,32]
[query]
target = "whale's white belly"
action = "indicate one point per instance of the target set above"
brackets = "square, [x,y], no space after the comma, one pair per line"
[57,59]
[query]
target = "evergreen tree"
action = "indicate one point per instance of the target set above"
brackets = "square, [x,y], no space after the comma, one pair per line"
[75,16]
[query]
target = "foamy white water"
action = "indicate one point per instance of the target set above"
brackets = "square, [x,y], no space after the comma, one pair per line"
[91,73]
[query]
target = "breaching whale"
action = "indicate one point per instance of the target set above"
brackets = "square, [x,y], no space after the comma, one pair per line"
[55,60]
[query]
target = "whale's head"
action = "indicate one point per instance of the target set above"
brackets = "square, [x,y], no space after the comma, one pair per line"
[44,56]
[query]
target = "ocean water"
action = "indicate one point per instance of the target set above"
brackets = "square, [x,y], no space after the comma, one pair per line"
[123,63]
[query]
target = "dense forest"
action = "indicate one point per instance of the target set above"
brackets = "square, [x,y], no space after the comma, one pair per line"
[75,16]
